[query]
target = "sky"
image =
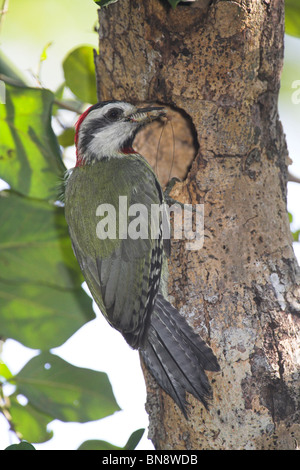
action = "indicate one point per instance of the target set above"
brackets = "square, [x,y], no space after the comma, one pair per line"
[97,345]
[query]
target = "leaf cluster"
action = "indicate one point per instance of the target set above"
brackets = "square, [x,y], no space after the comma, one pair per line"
[292,17]
[42,302]
[131,444]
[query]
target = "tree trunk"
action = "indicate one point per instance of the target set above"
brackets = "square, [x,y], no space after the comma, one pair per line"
[218,63]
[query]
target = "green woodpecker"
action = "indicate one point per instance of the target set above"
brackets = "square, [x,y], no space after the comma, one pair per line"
[123,272]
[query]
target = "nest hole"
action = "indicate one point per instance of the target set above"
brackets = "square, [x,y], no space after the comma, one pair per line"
[170,147]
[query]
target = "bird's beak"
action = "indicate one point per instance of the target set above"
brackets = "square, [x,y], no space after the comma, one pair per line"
[145,115]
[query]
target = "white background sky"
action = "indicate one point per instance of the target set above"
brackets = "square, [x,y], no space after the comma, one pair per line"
[96,345]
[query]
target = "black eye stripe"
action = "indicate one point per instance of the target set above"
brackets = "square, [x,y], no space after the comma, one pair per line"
[88,134]
[92,127]
[96,124]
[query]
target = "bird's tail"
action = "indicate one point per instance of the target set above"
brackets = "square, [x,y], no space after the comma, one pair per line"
[176,356]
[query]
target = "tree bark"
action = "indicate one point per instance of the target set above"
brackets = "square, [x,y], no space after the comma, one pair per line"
[218,64]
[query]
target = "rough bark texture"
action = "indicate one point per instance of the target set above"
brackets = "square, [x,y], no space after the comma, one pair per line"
[219,64]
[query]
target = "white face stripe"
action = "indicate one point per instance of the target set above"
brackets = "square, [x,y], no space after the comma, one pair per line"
[107,140]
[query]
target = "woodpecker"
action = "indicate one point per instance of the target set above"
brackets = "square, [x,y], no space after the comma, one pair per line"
[126,276]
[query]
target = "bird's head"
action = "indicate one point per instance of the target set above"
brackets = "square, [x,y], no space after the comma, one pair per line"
[107,129]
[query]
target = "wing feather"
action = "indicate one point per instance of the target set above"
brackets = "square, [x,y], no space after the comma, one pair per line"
[124,274]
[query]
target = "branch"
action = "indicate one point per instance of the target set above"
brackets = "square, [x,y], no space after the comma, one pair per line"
[293,178]
[59,103]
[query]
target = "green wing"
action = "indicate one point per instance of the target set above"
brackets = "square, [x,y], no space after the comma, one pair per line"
[123,275]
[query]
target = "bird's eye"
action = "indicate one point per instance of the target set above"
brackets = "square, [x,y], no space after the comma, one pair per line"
[114,114]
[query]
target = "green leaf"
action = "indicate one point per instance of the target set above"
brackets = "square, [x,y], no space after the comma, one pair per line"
[292,17]
[296,235]
[42,317]
[95,444]
[5,373]
[30,160]
[35,234]
[80,77]
[66,139]
[41,300]
[131,444]
[21,446]
[134,439]
[28,422]
[64,391]
[174,3]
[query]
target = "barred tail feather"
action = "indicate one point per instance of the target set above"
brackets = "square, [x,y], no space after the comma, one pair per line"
[176,356]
